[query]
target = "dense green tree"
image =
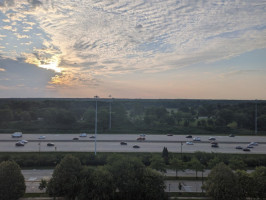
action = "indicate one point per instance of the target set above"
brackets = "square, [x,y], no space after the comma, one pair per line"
[213,162]
[66,178]
[222,183]
[158,163]
[259,176]
[12,183]
[177,165]
[97,184]
[134,181]
[246,184]
[236,163]
[165,155]
[195,164]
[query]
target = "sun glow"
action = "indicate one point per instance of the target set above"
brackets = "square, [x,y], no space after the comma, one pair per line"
[52,66]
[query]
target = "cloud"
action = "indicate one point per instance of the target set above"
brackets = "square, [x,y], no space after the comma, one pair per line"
[99,39]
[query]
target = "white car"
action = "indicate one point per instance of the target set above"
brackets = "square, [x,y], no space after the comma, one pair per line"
[196,139]
[83,135]
[212,138]
[17,135]
[42,137]
[23,141]
[189,143]
[254,143]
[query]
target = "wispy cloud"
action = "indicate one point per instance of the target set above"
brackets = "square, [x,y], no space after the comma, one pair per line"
[92,40]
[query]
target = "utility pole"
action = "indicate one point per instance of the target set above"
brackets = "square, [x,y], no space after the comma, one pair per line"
[110,112]
[95,134]
[256,113]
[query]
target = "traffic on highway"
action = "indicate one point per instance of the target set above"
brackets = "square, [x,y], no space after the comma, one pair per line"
[84,142]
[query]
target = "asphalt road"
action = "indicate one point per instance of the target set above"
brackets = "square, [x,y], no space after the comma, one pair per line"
[111,143]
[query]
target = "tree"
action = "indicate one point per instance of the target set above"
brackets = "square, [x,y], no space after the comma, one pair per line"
[222,183]
[259,176]
[246,184]
[158,164]
[177,165]
[165,155]
[12,183]
[235,163]
[66,178]
[97,184]
[196,165]
[134,181]
[213,162]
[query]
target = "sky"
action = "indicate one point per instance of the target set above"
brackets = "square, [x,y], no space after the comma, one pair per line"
[156,49]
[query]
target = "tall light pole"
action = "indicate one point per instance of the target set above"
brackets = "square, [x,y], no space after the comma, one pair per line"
[256,113]
[95,134]
[110,112]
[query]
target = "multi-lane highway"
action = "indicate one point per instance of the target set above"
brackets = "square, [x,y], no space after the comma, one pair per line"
[111,143]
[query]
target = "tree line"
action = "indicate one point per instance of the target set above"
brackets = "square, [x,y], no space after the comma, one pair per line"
[128,178]
[150,116]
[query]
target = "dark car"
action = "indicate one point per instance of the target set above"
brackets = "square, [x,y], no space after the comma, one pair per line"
[75,138]
[213,142]
[189,136]
[215,145]
[169,134]
[231,135]
[136,146]
[123,143]
[92,136]
[19,144]
[246,149]
[239,147]
[50,144]
[140,139]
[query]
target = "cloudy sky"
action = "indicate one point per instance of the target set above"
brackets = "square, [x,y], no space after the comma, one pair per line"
[209,49]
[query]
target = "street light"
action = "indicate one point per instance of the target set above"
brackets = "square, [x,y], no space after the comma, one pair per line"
[110,111]
[181,148]
[95,134]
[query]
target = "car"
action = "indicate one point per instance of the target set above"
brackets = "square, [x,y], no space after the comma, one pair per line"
[136,146]
[212,138]
[169,134]
[196,139]
[23,141]
[231,135]
[142,135]
[16,135]
[246,149]
[238,147]
[42,137]
[19,144]
[214,142]
[140,139]
[123,143]
[50,144]
[92,136]
[189,143]
[250,146]
[83,135]
[75,138]
[189,136]
[215,145]
[254,143]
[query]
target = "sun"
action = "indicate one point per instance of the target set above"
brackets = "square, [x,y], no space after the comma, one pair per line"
[52,64]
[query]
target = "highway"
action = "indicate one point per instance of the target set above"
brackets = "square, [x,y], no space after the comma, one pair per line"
[111,143]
